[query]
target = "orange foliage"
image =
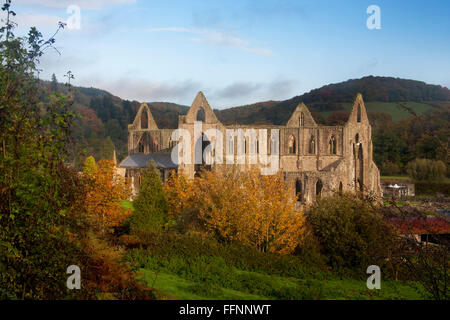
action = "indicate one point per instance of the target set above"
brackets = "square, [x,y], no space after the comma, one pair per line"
[106,189]
[246,207]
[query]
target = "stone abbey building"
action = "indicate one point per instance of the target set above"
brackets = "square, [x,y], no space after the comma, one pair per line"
[315,160]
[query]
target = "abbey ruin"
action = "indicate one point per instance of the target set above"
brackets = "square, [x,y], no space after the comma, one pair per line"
[315,160]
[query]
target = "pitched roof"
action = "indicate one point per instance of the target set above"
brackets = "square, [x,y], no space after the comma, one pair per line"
[140,160]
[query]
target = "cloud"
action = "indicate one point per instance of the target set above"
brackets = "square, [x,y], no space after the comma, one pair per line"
[282,88]
[146,90]
[216,38]
[238,90]
[83,4]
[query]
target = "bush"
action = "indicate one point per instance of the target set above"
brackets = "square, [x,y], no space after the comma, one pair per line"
[150,207]
[426,170]
[351,233]
[430,188]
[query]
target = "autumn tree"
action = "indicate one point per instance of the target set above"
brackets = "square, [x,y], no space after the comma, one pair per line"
[150,206]
[255,210]
[105,192]
[90,166]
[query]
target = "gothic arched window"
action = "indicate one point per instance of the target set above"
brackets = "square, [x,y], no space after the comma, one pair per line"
[358,115]
[298,189]
[332,145]
[231,145]
[200,115]
[140,147]
[319,186]
[291,145]
[312,145]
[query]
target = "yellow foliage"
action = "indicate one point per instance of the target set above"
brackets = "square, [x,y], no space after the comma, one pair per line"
[235,206]
[106,189]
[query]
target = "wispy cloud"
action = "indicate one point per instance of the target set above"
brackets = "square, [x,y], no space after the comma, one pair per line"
[146,90]
[216,38]
[83,4]
[246,91]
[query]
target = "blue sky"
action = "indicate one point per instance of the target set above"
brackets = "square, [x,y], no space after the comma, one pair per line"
[239,52]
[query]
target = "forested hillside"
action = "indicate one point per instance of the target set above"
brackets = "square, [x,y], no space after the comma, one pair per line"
[409,118]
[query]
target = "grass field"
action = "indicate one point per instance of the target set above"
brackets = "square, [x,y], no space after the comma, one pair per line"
[392,108]
[171,286]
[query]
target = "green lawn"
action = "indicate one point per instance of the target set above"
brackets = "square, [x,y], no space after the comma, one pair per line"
[171,286]
[127,204]
[405,178]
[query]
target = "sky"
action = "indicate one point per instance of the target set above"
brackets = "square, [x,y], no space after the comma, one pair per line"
[237,51]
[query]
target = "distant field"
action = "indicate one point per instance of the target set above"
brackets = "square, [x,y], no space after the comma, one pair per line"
[392,108]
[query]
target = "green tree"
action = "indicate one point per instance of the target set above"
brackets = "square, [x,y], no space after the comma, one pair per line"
[426,170]
[351,233]
[54,85]
[108,149]
[90,166]
[35,128]
[150,207]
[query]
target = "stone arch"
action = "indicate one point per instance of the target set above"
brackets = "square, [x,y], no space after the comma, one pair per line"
[200,164]
[299,190]
[155,144]
[291,145]
[144,119]
[273,145]
[359,169]
[141,148]
[319,187]
[200,116]
[312,145]
[200,102]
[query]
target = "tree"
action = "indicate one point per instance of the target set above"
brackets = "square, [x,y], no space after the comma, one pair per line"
[255,210]
[90,166]
[35,128]
[426,170]
[351,232]
[150,207]
[106,190]
[108,149]
[54,84]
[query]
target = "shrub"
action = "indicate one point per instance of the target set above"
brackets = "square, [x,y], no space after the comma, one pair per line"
[351,232]
[150,206]
[426,170]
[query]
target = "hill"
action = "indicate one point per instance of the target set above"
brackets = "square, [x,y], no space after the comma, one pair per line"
[381,93]
[387,100]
